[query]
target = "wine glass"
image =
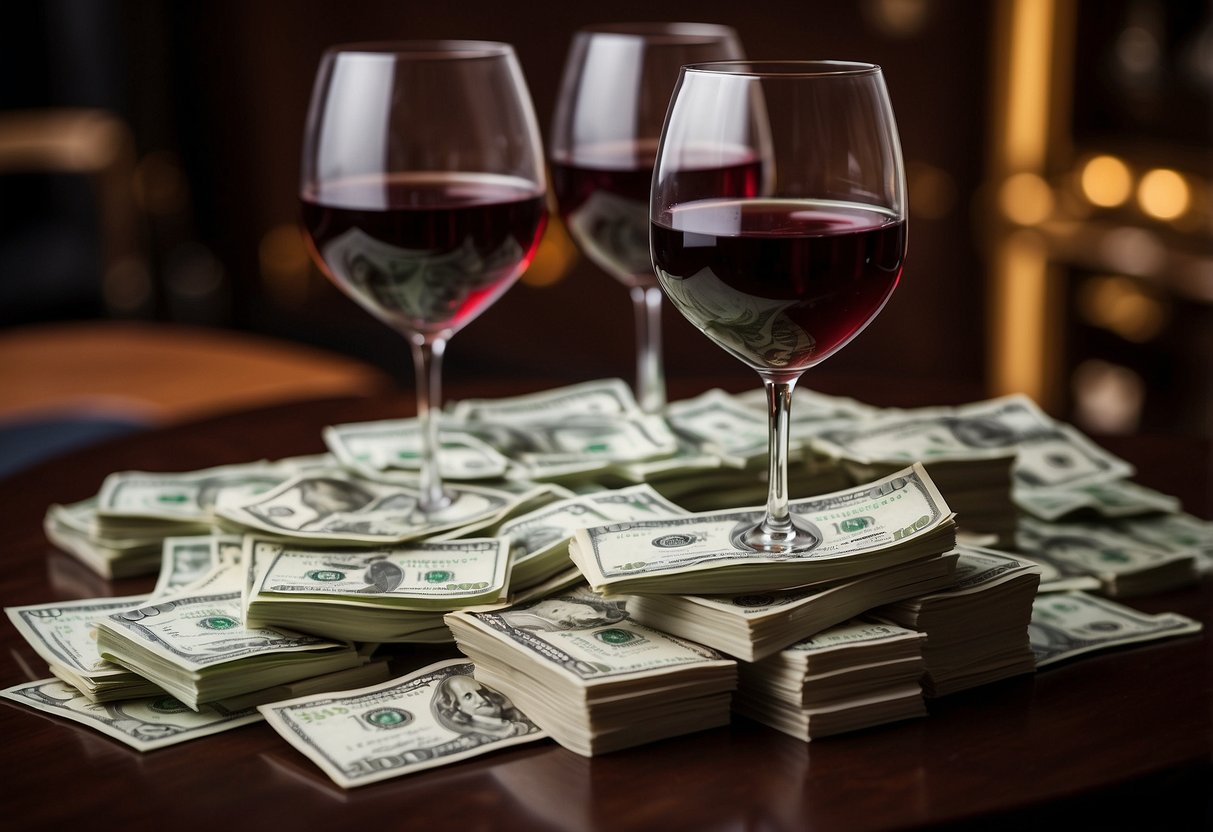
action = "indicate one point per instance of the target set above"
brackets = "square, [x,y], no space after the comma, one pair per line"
[422,193]
[613,99]
[784,277]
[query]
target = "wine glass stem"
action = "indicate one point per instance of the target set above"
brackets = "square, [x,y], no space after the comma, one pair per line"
[427,362]
[779,409]
[650,376]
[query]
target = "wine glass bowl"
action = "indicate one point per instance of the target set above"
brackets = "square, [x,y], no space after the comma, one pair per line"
[609,113]
[786,274]
[422,193]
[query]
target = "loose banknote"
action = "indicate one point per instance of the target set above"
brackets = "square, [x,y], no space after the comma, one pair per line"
[1112,499]
[539,540]
[63,634]
[132,497]
[197,646]
[185,560]
[434,716]
[336,505]
[1048,454]
[1070,624]
[1124,563]
[397,444]
[144,724]
[893,520]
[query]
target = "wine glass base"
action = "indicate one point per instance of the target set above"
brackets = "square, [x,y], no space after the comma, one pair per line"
[432,505]
[772,538]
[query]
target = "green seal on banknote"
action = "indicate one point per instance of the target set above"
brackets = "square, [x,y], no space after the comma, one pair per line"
[218,622]
[326,575]
[388,717]
[616,636]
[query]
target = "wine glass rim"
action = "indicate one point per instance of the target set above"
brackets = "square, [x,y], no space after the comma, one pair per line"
[441,49]
[688,33]
[789,69]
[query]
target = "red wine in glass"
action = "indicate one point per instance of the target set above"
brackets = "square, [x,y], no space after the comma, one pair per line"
[781,284]
[424,253]
[603,199]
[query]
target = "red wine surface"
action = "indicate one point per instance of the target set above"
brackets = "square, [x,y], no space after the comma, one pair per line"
[425,253]
[603,197]
[781,284]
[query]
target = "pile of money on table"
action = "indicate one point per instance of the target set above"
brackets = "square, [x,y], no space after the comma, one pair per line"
[586,584]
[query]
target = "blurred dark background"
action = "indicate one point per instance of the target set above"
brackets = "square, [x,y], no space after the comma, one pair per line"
[1059,160]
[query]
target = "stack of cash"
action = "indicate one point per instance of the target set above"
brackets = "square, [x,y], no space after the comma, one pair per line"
[1177,532]
[977,629]
[752,627]
[1100,500]
[734,430]
[195,645]
[855,675]
[388,594]
[73,529]
[539,539]
[1125,564]
[895,520]
[63,635]
[970,451]
[431,717]
[337,507]
[596,681]
[1072,624]
[119,532]
[374,448]
[146,504]
[570,434]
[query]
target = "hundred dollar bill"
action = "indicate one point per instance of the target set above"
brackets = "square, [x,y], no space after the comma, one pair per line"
[593,678]
[1047,453]
[1071,624]
[1125,564]
[397,444]
[1174,532]
[1116,498]
[62,633]
[434,716]
[144,724]
[72,529]
[756,625]
[425,575]
[603,397]
[718,423]
[197,647]
[539,540]
[899,518]
[184,498]
[338,506]
[185,560]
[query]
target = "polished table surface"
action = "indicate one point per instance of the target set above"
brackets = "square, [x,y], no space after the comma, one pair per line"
[1120,738]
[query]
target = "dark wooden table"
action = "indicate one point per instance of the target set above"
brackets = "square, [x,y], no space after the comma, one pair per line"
[1123,739]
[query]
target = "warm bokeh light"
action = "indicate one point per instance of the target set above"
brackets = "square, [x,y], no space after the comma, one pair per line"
[1163,194]
[556,255]
[1119,304]
[1108,398]
[1106,181]
[1132,250]
[1025,135]
[160,185]
[1025,199]
[127,285]
[1019,345]
[285,263]
[932,191]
